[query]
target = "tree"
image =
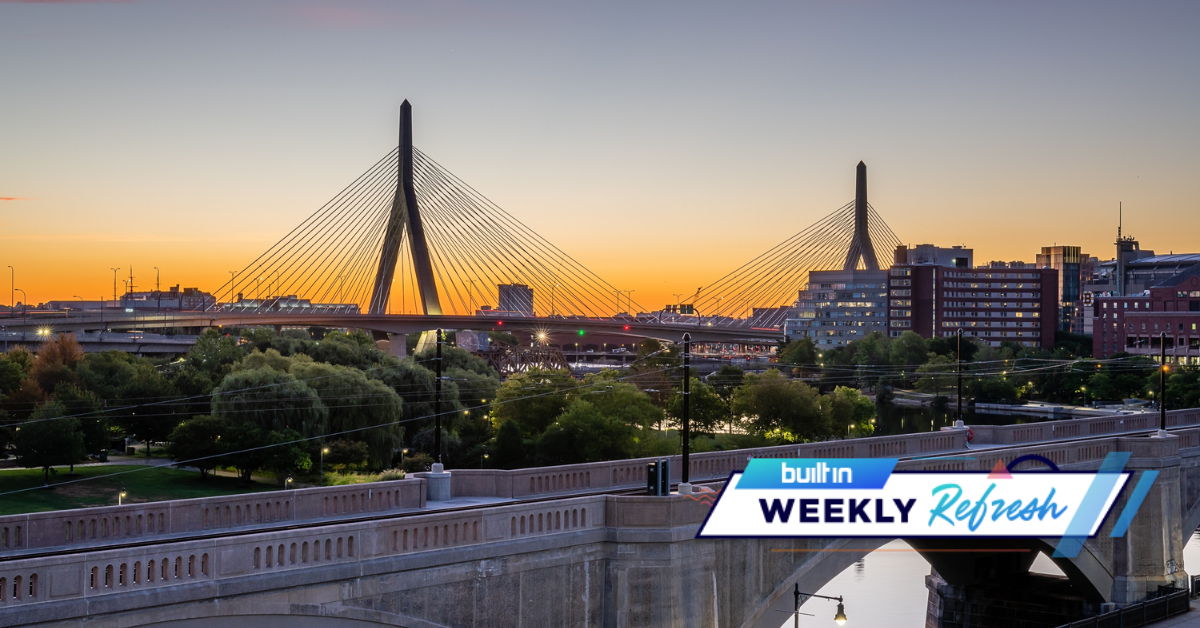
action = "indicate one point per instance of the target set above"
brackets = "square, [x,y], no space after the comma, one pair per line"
[197,442]
[993,389]
[533,400]
[726,380]
[153,421]
[936,374]
[270,400]
[801,352]
[585,434]
[358,408]
[346,454]
[11,375]
[909,349]
[456,358]
[848,406]
[772,402]
[1183,388]
[214,354]
[622,402]
[55,362]
[357,350]
[85,406]
[510,447]
[47,440]
[708,408]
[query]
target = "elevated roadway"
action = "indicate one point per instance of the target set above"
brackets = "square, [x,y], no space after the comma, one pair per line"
[392,324]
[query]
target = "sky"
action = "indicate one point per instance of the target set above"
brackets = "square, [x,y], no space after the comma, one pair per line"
[662,144]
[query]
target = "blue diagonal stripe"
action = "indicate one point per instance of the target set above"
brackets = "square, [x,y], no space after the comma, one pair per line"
[1135,502]
[1092,506]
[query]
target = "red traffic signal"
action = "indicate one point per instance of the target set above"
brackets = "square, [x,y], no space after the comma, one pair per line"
[627,328]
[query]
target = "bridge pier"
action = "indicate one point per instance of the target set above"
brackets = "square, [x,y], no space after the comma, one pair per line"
[1150,554]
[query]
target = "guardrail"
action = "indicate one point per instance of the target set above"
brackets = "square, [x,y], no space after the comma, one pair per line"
[1140,614]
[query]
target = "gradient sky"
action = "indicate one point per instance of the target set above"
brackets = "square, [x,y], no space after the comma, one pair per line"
[660,143]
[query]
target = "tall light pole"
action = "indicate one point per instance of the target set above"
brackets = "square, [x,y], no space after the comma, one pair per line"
[687,402]
[958,371]
[157,277]
[12,291]
[1162,383]
[80,302]
[437,403]
[24,309]
[114,284]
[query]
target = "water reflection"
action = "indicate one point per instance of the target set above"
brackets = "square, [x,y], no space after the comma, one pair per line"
[887,587]
[884,588]
[903,419]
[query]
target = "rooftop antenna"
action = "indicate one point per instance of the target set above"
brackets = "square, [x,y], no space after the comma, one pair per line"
[1119,216]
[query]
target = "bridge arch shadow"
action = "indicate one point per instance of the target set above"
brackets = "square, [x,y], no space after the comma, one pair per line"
[1004,559]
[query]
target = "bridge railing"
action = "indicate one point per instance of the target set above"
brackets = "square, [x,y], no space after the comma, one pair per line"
[1077,428]
[712,465]
[113,524]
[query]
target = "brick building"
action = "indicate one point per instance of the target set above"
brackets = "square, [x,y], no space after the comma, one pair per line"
[993,305]
[1133,324]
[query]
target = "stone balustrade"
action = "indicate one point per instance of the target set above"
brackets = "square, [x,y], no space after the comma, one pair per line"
[90,526]
[1076,428]
[712,465]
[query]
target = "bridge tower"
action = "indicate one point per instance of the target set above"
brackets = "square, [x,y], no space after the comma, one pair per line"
[860,246]
[405,218]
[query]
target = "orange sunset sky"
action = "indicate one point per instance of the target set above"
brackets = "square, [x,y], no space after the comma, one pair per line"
[660,145]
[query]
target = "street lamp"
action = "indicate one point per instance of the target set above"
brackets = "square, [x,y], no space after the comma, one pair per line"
[12,291]
[24,309]
[848,428]
[839,618]
[114,284]
[122,495]
[324,450]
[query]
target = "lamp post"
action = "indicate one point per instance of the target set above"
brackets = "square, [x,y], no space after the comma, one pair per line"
[839,618]
[114,284]
[1162,384]
[24,309]
[324,450]
[12,291]
[81,307]
[685,485]
[122,495]
[157,277]
[958,372]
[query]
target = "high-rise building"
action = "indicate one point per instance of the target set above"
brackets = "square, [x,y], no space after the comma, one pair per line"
[515,298]
[1067,260]
[839,306]
[992,305]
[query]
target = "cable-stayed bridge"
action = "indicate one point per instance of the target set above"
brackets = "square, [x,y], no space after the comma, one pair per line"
[408,246]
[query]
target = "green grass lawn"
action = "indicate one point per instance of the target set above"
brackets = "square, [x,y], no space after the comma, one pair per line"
[144,484]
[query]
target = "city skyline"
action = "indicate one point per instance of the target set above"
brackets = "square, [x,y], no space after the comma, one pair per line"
[666,142]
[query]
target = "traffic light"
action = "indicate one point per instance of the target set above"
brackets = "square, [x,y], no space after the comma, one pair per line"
[627,328]
[581,332]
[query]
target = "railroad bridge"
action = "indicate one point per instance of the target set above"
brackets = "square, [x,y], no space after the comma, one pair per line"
[569,545]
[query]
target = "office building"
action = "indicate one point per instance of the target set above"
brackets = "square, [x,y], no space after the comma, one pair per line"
[1135,324]
[1067,261]
[992,305]
[839,306]
[516,299]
